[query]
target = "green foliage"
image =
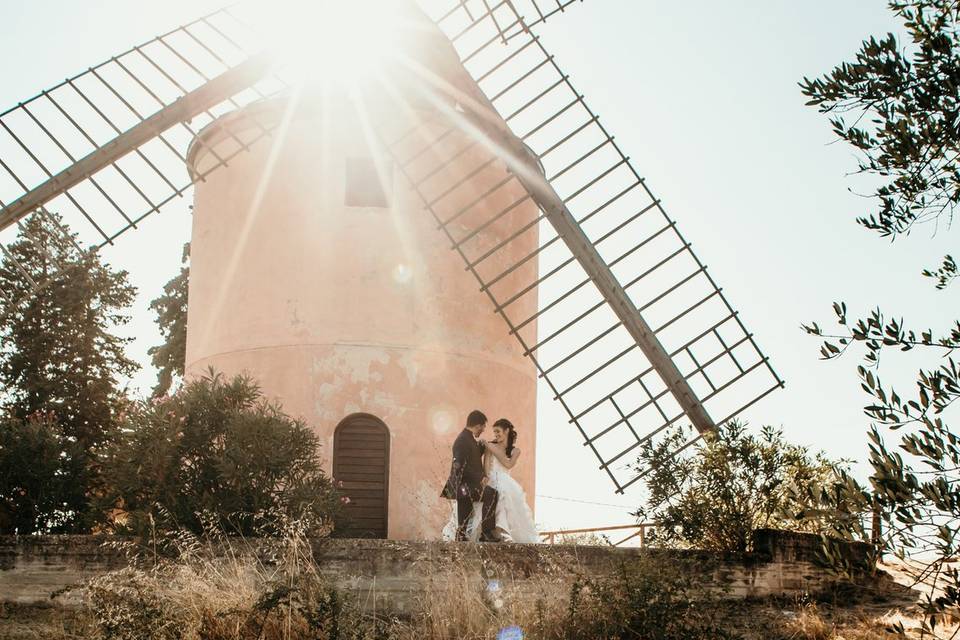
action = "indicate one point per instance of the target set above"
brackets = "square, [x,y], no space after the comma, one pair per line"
[945,274]
[898,104]
[171,310]
[59,356]
[733,484]
[36,479]
[914,486]
[215,450]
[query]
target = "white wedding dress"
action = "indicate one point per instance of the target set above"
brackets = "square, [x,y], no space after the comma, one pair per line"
[514,519]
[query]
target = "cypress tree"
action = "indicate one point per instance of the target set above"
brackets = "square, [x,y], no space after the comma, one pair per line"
[171,310]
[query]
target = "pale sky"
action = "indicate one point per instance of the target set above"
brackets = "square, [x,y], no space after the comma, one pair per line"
[703,96]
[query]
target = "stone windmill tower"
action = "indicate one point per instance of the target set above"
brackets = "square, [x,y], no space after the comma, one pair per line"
[325,214]
[315,269]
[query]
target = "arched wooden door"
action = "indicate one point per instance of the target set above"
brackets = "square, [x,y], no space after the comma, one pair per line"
[361,460]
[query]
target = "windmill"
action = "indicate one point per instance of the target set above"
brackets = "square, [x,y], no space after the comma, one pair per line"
[626,328]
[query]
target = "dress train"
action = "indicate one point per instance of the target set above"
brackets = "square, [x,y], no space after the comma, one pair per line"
[514,518]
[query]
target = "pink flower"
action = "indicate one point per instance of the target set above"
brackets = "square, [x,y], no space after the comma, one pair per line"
[345,500]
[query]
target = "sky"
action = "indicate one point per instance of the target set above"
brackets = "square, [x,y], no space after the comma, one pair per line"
[703,96]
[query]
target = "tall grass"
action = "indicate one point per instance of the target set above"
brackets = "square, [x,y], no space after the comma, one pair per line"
[810,623]
[215,587]
[220,588]
[460,603]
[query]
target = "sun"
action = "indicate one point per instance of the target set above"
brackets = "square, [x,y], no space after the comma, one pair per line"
[332,40]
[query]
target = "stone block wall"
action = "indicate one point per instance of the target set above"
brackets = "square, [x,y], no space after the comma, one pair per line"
[394,575]
[38,569]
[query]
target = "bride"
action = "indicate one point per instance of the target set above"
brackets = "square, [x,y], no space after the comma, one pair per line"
[513,516]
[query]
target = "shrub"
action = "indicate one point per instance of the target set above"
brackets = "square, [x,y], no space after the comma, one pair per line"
[39,469]
[216,450]
[733,484]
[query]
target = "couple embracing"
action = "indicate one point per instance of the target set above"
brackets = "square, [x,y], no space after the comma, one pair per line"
[490,505]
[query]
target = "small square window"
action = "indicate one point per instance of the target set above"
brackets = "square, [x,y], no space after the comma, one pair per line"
[365,187]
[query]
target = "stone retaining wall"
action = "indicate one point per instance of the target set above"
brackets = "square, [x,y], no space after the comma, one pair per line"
[393,575]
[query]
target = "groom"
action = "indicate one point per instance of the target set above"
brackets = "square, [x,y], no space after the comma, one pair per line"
[467,482]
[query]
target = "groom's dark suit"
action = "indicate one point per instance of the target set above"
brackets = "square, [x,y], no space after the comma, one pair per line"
[466,485]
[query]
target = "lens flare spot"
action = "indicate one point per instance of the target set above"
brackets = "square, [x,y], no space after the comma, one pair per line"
[402,274]
[510,633]
[442,420]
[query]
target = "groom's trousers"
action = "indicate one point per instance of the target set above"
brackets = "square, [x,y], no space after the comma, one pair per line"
[488,515]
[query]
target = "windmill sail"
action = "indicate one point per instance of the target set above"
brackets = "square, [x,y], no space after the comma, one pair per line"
[631,333]
[106,148]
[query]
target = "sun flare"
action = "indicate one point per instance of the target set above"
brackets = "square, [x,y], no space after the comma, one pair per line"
[332,40]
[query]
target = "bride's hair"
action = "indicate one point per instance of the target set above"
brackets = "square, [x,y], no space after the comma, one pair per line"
[507,426]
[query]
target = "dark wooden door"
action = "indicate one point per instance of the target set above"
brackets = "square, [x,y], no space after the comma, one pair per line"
[361,461]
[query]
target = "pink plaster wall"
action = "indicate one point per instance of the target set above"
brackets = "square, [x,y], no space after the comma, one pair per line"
[338,310]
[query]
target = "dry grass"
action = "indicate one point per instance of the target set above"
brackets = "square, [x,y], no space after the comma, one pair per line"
[647,600]
[170,601]
[217,592]
[475,620]
[459,608]
[206,595]
[219,589]
[865,616]
[810,623]
[32,622]
[459,605]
